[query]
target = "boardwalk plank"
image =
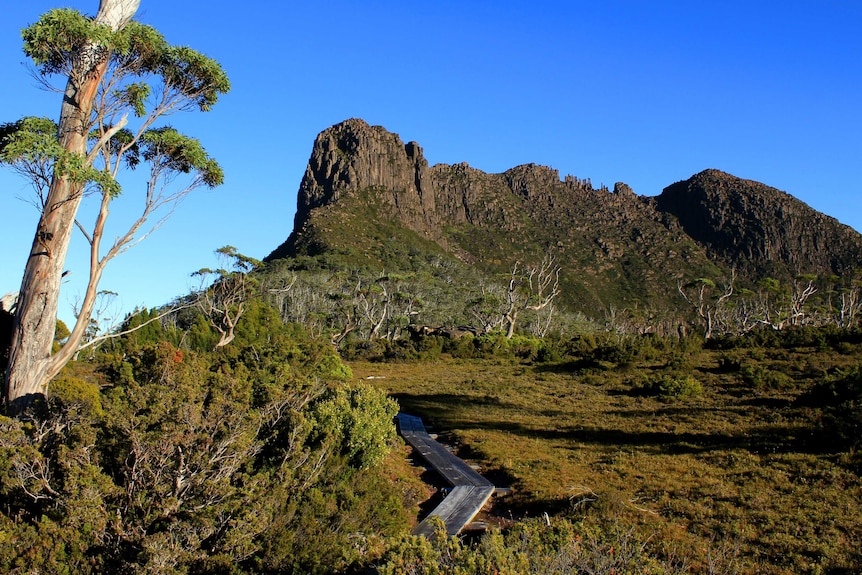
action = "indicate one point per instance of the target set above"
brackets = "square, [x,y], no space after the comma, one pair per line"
[470,490]
[457,510]
[454,470]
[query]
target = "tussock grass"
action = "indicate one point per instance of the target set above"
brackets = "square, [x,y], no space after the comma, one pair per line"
[740,464]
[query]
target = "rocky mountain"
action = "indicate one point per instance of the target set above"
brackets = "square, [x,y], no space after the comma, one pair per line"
[761,230]
[373,199]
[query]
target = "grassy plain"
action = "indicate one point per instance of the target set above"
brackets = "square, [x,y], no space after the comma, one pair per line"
[742,465]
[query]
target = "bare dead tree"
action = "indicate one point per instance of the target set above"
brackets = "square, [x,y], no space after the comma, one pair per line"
[532,288]
[850,307]
[348,325]
[406,304]
[802,289]
[543,321]
[748,313]
[700,294]
[372,304]
[279,288]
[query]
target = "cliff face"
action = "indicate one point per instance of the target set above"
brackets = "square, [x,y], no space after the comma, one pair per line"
[759,229]
[365,190]
[353,155]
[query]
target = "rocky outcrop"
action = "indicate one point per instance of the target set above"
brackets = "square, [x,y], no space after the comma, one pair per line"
[352,156]
[759,229]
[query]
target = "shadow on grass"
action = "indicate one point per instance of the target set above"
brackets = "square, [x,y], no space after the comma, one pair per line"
[757,439]
[428,407]
[576,366]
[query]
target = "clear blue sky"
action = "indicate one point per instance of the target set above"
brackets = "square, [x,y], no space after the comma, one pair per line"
[645,92]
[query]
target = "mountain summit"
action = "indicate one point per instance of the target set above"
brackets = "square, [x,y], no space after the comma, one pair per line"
[760,229]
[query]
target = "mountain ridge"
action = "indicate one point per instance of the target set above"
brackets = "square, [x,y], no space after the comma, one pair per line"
[615,247]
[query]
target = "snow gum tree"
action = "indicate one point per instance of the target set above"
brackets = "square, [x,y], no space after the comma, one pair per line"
[122,78]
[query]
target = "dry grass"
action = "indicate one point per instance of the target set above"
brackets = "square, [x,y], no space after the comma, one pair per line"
[739,465]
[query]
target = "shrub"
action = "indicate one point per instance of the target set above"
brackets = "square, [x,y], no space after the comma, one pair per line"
[463,348]
[492,345]
[761,377]
[841,398]
[549,351]
[729,363]
[76,393]
[359,418]
[674,387]
[196,461]
[805,336]
[430,347]
[580,345]
[531,546]
[524,346]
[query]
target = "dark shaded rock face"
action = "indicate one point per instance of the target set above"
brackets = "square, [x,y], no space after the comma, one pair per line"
[353,156]
[761,230]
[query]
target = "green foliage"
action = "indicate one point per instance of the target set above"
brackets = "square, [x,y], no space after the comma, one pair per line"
[430,347]
[359,418]
[841,397]
[342,521]
[532,546]
[30,146]
[28,140]
[240,262]
[188,460]
[59,41]
[174,152]
[56,41]
[61,332]
[674,442]
[61,335]
[74,392]
[464,345]
[194,74]
[139,48]
[331,367]
[55,495]
[135,97]
[58,37]
[334,291]
[674,387]
[145,327]
[761,377]
[462,348]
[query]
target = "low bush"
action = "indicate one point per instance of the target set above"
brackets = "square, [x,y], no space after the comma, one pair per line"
[671,386]
[841,397]
[763,378]
[553,547]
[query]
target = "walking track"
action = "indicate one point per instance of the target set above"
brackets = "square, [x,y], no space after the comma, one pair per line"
[470,491]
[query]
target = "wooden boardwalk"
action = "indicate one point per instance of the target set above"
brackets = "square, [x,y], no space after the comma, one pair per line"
[470,491]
